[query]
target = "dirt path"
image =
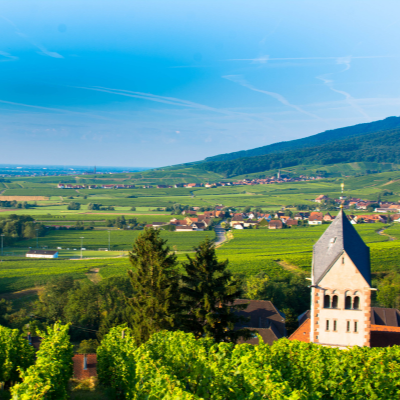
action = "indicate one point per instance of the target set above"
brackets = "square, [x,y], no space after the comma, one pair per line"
[2,191]
[221,237]
[22,293]
[382,232]
[93,275]
[288,267]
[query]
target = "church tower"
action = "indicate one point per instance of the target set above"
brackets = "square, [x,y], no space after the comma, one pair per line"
[341,287]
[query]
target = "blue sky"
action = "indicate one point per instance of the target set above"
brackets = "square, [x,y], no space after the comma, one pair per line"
[159,82]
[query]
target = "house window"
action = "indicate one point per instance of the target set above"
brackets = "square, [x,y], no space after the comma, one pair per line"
[335,325]
[356,303]
[327,324]
[348,326]
[335,301]
[327,301]
[355,326]
[342,260]
[347,304]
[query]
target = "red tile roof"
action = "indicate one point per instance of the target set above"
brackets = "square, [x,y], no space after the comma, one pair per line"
[384,328]
[302,333]
[79,372]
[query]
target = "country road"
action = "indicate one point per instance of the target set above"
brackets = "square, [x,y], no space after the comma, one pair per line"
[220,233]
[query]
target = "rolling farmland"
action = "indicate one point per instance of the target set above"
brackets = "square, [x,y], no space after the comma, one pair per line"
[249,252]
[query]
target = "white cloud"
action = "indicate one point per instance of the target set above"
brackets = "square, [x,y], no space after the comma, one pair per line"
[348,97]
[8,56]
[265,58]
[174,101]
[238,79]
[53,109]
[43,50]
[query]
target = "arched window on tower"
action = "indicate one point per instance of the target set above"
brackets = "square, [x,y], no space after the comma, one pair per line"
[335,301]
[356,303]
[347,304]
[327,301]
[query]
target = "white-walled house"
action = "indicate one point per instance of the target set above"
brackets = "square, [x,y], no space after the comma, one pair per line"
[42,254]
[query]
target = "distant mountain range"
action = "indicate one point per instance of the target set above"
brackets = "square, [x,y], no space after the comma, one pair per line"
[314,140]
[371,142]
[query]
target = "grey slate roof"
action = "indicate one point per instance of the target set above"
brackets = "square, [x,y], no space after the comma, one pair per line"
[43,252]
[340,236]
[385,316]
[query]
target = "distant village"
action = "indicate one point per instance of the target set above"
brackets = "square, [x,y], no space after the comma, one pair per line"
[193,221]
[249,182]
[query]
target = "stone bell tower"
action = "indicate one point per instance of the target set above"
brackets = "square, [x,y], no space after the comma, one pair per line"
[341,287]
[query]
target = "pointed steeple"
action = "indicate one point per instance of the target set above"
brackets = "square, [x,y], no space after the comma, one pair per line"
[340,236]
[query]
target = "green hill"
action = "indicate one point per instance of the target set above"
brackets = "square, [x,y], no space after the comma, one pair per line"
[377,147]
[315,140]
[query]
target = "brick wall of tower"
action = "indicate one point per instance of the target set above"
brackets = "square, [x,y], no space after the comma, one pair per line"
[318,303]
[367,318]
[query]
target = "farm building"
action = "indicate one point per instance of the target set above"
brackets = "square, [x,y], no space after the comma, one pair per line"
[184,228]
[42,254]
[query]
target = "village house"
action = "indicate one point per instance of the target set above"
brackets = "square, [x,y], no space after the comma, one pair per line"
[292,222]
[285,218]
[301,216]
[321,198]
[191,220]
[275,224]
[328,217]
[237,218]
[363,205]
[264,318]
[315,218]
[188,212]
[198,226]
[395,217]
[370,219]
[250,222]
[238,225]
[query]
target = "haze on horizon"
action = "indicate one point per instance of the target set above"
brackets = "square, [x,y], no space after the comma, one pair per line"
[160,82]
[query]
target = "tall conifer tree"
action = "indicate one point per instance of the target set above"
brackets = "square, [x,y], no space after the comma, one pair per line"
[155,304]
[209,291]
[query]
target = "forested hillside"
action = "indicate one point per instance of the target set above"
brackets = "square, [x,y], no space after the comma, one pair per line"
[315,140]
[373,147]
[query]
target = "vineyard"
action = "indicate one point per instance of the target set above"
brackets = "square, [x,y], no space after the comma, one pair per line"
[48,376]
[259,250]
[119,239]
[266,196]
[175,365]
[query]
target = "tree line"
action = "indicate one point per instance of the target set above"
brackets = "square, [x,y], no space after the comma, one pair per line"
[17,227]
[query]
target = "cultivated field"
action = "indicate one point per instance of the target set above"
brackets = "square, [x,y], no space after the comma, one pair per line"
[23,198]
[249,252]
